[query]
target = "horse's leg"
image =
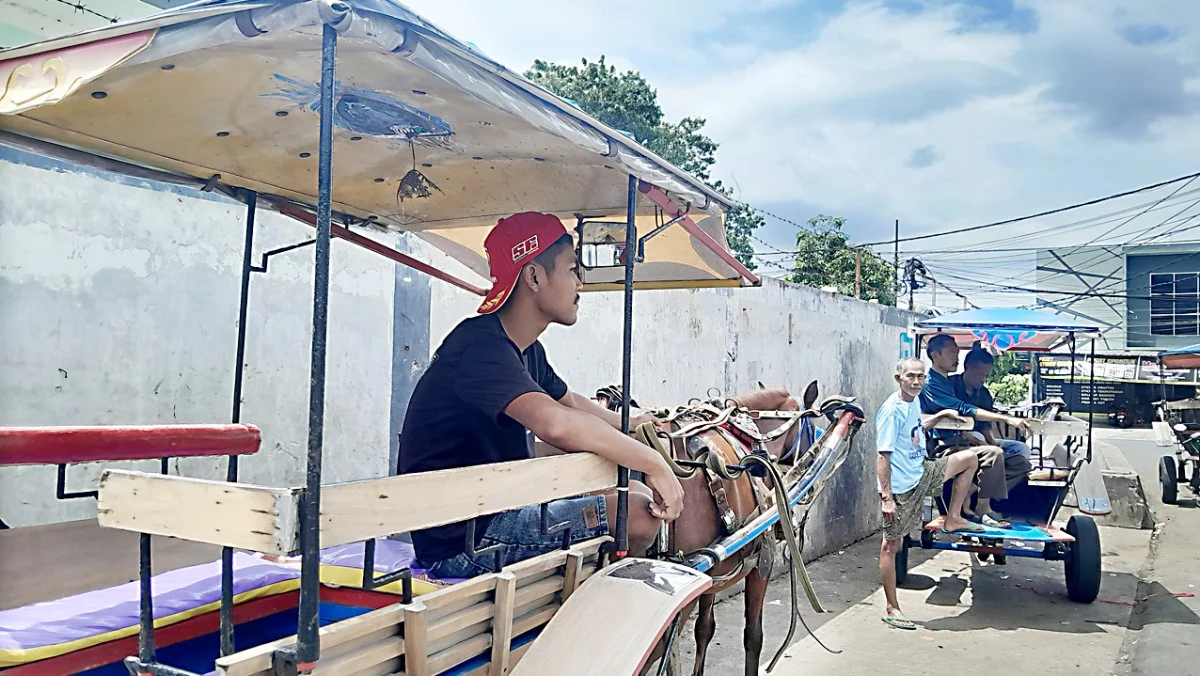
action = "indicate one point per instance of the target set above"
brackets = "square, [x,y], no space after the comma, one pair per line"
[752,640]
[706,628]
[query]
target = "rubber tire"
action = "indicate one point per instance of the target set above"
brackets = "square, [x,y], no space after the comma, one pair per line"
[1001,559]
[1168,479]
[902,561]
[1083,560]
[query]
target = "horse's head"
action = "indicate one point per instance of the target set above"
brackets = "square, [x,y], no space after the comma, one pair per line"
[801,436]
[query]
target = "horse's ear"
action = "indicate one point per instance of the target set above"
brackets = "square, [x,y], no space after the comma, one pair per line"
[761,386]
[810,394]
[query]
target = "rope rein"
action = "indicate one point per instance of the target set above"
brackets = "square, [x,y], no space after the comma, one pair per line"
[713,418]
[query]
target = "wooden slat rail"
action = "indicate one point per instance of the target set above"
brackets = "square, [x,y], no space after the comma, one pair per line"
[254,518]
[61,445]
[444,628]
[264,519]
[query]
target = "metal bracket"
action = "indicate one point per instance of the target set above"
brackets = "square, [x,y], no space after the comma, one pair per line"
[370,582]
[641,245]
[61,492]
[283,662]
[547,529]
[137,667]
[470,550]
[262,267]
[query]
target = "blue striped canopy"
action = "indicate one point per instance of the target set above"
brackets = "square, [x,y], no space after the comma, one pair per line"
[1006,328]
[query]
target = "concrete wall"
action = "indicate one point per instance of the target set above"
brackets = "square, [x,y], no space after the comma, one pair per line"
[688,341]
[118,304]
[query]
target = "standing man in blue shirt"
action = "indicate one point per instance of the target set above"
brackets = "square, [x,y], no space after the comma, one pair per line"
[906,476]
[937,395]
[489,385]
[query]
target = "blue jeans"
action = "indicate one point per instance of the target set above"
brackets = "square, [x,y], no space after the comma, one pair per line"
[518,532]
[1014,447]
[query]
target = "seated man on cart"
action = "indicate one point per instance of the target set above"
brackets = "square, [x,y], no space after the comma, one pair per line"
[970,386]
[906,476]
[489,388]
[998,473]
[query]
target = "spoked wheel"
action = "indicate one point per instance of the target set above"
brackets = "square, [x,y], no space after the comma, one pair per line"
[902,561]
[1083,560]
[1168,479]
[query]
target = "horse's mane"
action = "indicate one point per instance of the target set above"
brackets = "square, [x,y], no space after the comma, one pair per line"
[776,399]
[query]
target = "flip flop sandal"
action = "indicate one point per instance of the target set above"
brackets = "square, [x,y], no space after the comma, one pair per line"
[899,623]
[969,528]
[989,520]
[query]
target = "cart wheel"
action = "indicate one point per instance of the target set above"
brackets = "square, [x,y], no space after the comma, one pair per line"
[1002,559]
[1168,479]
[984,556]
[902,561]
[1083,560]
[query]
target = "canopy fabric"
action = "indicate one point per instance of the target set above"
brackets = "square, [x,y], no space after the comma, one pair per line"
[1181,357]
[1006,328]
[225,92]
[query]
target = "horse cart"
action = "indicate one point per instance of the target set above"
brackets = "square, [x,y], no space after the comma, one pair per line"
[249,99]
[1061,446]
[1182,429]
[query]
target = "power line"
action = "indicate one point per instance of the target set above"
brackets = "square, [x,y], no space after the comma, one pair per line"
[1033,216]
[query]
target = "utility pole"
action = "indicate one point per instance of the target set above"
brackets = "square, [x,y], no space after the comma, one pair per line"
[933,287]
[858,274]
[896,262]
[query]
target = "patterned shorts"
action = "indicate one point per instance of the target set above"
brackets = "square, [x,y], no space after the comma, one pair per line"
[518,532]
[909,503]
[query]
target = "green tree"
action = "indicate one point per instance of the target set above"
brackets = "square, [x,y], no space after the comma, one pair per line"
[1010,390]
[824,257]
[627,102]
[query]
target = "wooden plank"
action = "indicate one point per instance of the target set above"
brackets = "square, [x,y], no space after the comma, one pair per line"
[574,567]
[257,660]
[416,645]
[502,622]
[254,518]
[360,510]
[1059,428]
[645,594]
[950,424]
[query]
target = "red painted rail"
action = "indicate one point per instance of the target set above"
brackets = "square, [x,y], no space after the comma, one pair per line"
[55,445]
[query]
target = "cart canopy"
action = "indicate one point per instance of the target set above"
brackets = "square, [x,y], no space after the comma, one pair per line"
[1181,357]
[1006,329]
[430,135]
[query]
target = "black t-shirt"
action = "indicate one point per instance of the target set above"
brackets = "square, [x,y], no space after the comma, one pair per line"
[456,414]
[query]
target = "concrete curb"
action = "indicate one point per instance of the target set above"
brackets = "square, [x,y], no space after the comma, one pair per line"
[1130,508]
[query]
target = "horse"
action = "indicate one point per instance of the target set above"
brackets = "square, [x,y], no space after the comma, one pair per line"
[712,510]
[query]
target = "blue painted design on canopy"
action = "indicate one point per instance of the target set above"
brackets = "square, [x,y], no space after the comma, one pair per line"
[367,112]
[1009,320]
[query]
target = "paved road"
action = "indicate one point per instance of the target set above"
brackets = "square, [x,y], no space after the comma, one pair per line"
[1164,636]
[998,619]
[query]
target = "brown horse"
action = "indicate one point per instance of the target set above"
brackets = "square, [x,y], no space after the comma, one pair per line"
[702,524]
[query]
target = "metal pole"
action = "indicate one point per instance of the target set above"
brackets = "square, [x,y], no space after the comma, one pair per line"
[622,529]
[308,640]
[231,474]
[1091,397]
[858,274]
[146,603]
[896,263]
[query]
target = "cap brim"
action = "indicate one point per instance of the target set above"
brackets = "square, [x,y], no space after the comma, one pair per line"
[497,296]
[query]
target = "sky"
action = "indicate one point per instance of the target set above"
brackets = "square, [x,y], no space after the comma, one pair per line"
[938,113]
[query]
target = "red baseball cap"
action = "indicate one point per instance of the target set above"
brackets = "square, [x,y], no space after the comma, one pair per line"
[512,244]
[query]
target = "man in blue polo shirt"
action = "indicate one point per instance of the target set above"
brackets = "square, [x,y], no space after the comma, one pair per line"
[489,386]
[970,386]
[937,395]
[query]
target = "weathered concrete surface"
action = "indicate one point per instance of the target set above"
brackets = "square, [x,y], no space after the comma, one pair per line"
[119,305]
[1125,493]
[687,342]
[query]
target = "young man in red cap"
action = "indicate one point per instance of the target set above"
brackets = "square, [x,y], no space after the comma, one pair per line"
[489,386]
